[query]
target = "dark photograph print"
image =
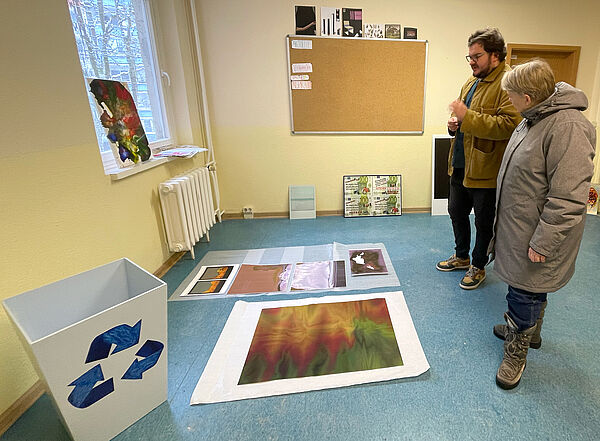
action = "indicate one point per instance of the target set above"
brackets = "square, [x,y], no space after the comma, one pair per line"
[306,20]
[410,33]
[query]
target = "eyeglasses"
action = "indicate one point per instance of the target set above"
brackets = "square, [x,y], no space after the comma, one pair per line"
[474,57]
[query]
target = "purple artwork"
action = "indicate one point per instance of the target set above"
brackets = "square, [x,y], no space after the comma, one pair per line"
[319,275]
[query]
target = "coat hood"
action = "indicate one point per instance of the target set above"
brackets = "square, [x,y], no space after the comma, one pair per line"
[564,97]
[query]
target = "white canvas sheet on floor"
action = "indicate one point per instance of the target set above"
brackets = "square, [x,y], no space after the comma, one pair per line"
[229,373]
[291,255]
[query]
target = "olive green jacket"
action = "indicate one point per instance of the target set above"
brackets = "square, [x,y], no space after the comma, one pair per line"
[487,126]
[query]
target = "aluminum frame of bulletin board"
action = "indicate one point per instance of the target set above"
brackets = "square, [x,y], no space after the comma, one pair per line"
[372,195]
[358,85]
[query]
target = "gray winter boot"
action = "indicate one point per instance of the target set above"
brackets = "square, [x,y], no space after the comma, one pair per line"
[536,339]
[515,355]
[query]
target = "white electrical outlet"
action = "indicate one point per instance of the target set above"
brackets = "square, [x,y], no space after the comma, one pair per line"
[248,212]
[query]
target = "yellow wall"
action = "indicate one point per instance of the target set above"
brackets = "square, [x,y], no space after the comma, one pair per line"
[245,64]
[60,215]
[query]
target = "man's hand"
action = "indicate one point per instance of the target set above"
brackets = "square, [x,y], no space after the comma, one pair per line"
[458,108]
[453,124]
[535,257]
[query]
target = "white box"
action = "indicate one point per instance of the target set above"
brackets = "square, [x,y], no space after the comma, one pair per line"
[302,202]
[90,337]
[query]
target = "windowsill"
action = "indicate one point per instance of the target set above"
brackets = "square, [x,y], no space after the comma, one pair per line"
[116,173]
[120,173]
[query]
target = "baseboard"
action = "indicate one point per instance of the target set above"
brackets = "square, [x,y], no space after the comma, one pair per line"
[417,210]
[279,214]
[170,262]
[19,407]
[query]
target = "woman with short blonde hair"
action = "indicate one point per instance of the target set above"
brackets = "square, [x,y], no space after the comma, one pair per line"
[534,78]
[542,191]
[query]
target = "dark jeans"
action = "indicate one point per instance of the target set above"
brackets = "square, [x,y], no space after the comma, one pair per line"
[524,307]
[460,202]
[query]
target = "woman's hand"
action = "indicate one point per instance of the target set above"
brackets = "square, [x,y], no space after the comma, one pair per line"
[534,256]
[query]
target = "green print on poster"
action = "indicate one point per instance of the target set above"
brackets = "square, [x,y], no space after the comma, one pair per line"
[321,339]
[372,195]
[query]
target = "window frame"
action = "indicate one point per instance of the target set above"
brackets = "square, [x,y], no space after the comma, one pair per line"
[109,162]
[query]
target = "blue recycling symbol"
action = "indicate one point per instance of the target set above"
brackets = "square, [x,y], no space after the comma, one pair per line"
[86,392]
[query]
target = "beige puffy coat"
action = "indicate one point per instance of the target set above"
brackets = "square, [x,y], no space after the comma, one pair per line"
[542,191]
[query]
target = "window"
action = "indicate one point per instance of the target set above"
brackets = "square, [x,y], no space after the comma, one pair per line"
[115,42]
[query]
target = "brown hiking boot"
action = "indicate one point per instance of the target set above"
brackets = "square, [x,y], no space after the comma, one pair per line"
[453,263]
[515,355]
[472,278]
[536,338]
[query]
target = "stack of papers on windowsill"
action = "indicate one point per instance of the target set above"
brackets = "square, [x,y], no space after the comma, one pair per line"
[184,151]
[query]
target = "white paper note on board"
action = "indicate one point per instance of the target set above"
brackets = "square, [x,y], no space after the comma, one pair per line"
[301,84]
[301,44]
[301,67]
[299,77]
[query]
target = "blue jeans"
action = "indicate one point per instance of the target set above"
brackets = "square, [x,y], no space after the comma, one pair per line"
[524,307]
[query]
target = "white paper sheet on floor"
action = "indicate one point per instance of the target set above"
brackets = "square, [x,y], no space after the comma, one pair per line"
[220,378]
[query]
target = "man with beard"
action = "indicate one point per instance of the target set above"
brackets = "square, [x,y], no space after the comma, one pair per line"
[482,121]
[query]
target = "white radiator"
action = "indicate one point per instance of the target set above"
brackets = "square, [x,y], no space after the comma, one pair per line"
[187,208]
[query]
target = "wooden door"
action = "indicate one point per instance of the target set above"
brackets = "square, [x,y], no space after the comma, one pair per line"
[563,60]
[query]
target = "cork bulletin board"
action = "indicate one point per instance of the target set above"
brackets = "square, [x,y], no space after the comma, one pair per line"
[356,85]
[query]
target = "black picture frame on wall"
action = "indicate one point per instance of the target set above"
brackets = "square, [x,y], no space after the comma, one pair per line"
[306,20]
[410,33]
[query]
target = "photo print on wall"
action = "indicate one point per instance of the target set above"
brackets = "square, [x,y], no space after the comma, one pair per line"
[331,21]
[306,20]
[352,21]
[410,33]
[393,31]
[374,30]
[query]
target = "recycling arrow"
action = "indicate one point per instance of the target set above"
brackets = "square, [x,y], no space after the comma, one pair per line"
[151,350]
[123,336]
[85,394]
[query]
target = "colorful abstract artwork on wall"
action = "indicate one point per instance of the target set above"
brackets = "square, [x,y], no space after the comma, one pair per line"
[119,116]
[321,339]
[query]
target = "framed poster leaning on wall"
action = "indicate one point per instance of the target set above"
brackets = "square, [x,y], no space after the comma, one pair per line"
[372,195]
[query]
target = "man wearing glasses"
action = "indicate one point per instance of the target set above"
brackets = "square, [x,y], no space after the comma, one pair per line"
[482,121]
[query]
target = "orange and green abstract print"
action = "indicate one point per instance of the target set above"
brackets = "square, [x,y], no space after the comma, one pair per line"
[321,339]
